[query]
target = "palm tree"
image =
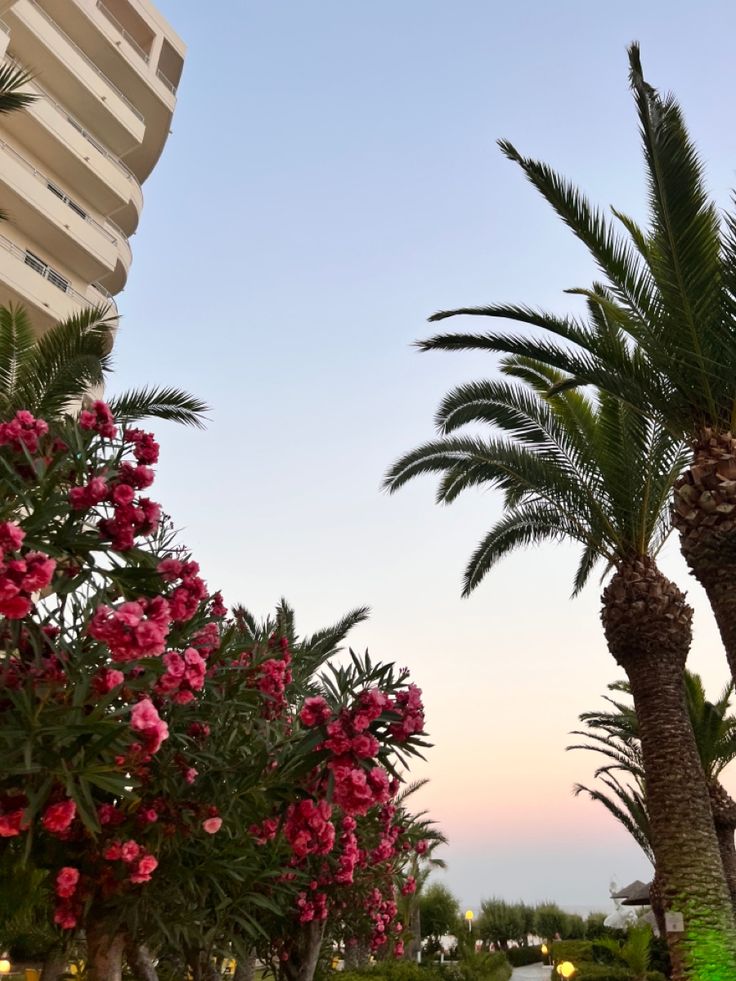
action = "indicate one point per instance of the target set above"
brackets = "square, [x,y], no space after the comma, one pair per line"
[12,79]
[615,734]
[599,473]
[52,373]
[669,293]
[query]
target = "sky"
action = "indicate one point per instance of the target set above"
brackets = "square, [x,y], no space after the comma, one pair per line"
[331,180]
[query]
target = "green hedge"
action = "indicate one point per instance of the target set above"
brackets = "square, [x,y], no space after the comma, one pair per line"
[483,967]
[572,950]
[610,972]
[520,956]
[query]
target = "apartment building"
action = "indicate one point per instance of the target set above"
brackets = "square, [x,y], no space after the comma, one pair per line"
[72,165]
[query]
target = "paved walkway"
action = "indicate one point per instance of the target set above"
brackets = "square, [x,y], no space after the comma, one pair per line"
[532,972]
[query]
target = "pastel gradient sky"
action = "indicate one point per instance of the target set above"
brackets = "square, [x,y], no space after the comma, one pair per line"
[332,179]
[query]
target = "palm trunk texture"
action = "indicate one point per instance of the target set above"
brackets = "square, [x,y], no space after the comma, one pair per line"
[139,961]
[704,514]
[724,816]
[648,628]
[104,952]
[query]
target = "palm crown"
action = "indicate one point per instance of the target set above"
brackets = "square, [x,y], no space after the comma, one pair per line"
[570,467]
[669,291]
[51,373]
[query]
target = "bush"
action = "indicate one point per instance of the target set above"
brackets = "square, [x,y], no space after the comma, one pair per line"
[577,951]
[610,972]
[520,956]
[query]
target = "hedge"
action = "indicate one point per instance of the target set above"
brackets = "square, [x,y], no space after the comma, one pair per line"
[520,956]
[610,972]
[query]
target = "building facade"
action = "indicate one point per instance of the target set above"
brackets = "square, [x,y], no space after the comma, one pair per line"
[105,74]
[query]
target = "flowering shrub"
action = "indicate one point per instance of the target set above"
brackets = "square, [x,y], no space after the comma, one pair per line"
[145,733]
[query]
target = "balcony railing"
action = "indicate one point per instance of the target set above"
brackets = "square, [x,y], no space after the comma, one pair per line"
[63,111]
[33,262]
[87,60]
[167,82]
[128,37]
[57,191]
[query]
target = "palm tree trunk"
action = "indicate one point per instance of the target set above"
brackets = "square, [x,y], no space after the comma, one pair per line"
[246,968]
[724,816]
[55,965]
[139,961]
[104,952]
[306,943]
[704,514]
[647,626]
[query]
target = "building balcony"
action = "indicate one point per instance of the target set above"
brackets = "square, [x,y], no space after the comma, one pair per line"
[81,162]
[70,75]
[46,295]
[137,50]
[92,250]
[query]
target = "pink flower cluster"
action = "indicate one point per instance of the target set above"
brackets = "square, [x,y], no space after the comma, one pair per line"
[141,864]
[271,678]
[408,704]
[184,675]
[312,907]
[99,419]
[145,447]
[11,816]
[133,630]
[68,906]
[185,599]
[308,828]
[22,432]
[145,720]
[382,911]
[349,852]
[356,790]
[57,818]
[315,712]
[265,831]
[22,576]
[347,734]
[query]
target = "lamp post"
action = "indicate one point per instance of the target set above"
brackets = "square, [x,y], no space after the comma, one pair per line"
[544,950]
[469,919]
[566,969]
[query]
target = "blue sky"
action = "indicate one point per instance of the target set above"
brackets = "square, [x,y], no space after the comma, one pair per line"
[331,180]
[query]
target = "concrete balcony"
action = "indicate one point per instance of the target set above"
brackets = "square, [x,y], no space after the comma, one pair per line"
[87,168]
[70,75]
[90,249]
[45,294]
[137,50]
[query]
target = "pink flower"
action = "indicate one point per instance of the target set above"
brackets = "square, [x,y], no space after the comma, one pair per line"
[58,817]
[65,918]
[11,536]
[106,679]
[145,719]
[66,882]
[144,869]
[315,712]
[190,774]
[98,418]
[212,825]
[130,851]
[146,447]
[11,824]
[133,630]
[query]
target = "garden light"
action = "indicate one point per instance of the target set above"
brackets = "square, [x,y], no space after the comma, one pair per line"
[566,969]
[469,919]
[4,964]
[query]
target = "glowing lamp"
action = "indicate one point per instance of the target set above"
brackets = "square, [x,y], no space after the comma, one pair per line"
[469,919]
[4,964]
[566,969]
[544,950]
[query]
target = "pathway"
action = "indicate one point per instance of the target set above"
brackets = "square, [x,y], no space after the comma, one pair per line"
[532,972]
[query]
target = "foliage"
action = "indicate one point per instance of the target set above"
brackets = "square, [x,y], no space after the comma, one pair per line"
[439,910]
[614,733]
[571,950]
[520,956]
[197,779]
[51,373]
[666,288]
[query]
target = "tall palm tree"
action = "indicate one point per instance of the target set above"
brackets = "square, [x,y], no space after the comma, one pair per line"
[599,473]
[53,372]
[670,293]
[615,734]
[12,80]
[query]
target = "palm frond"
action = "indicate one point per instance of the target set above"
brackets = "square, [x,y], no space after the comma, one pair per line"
[159,402]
